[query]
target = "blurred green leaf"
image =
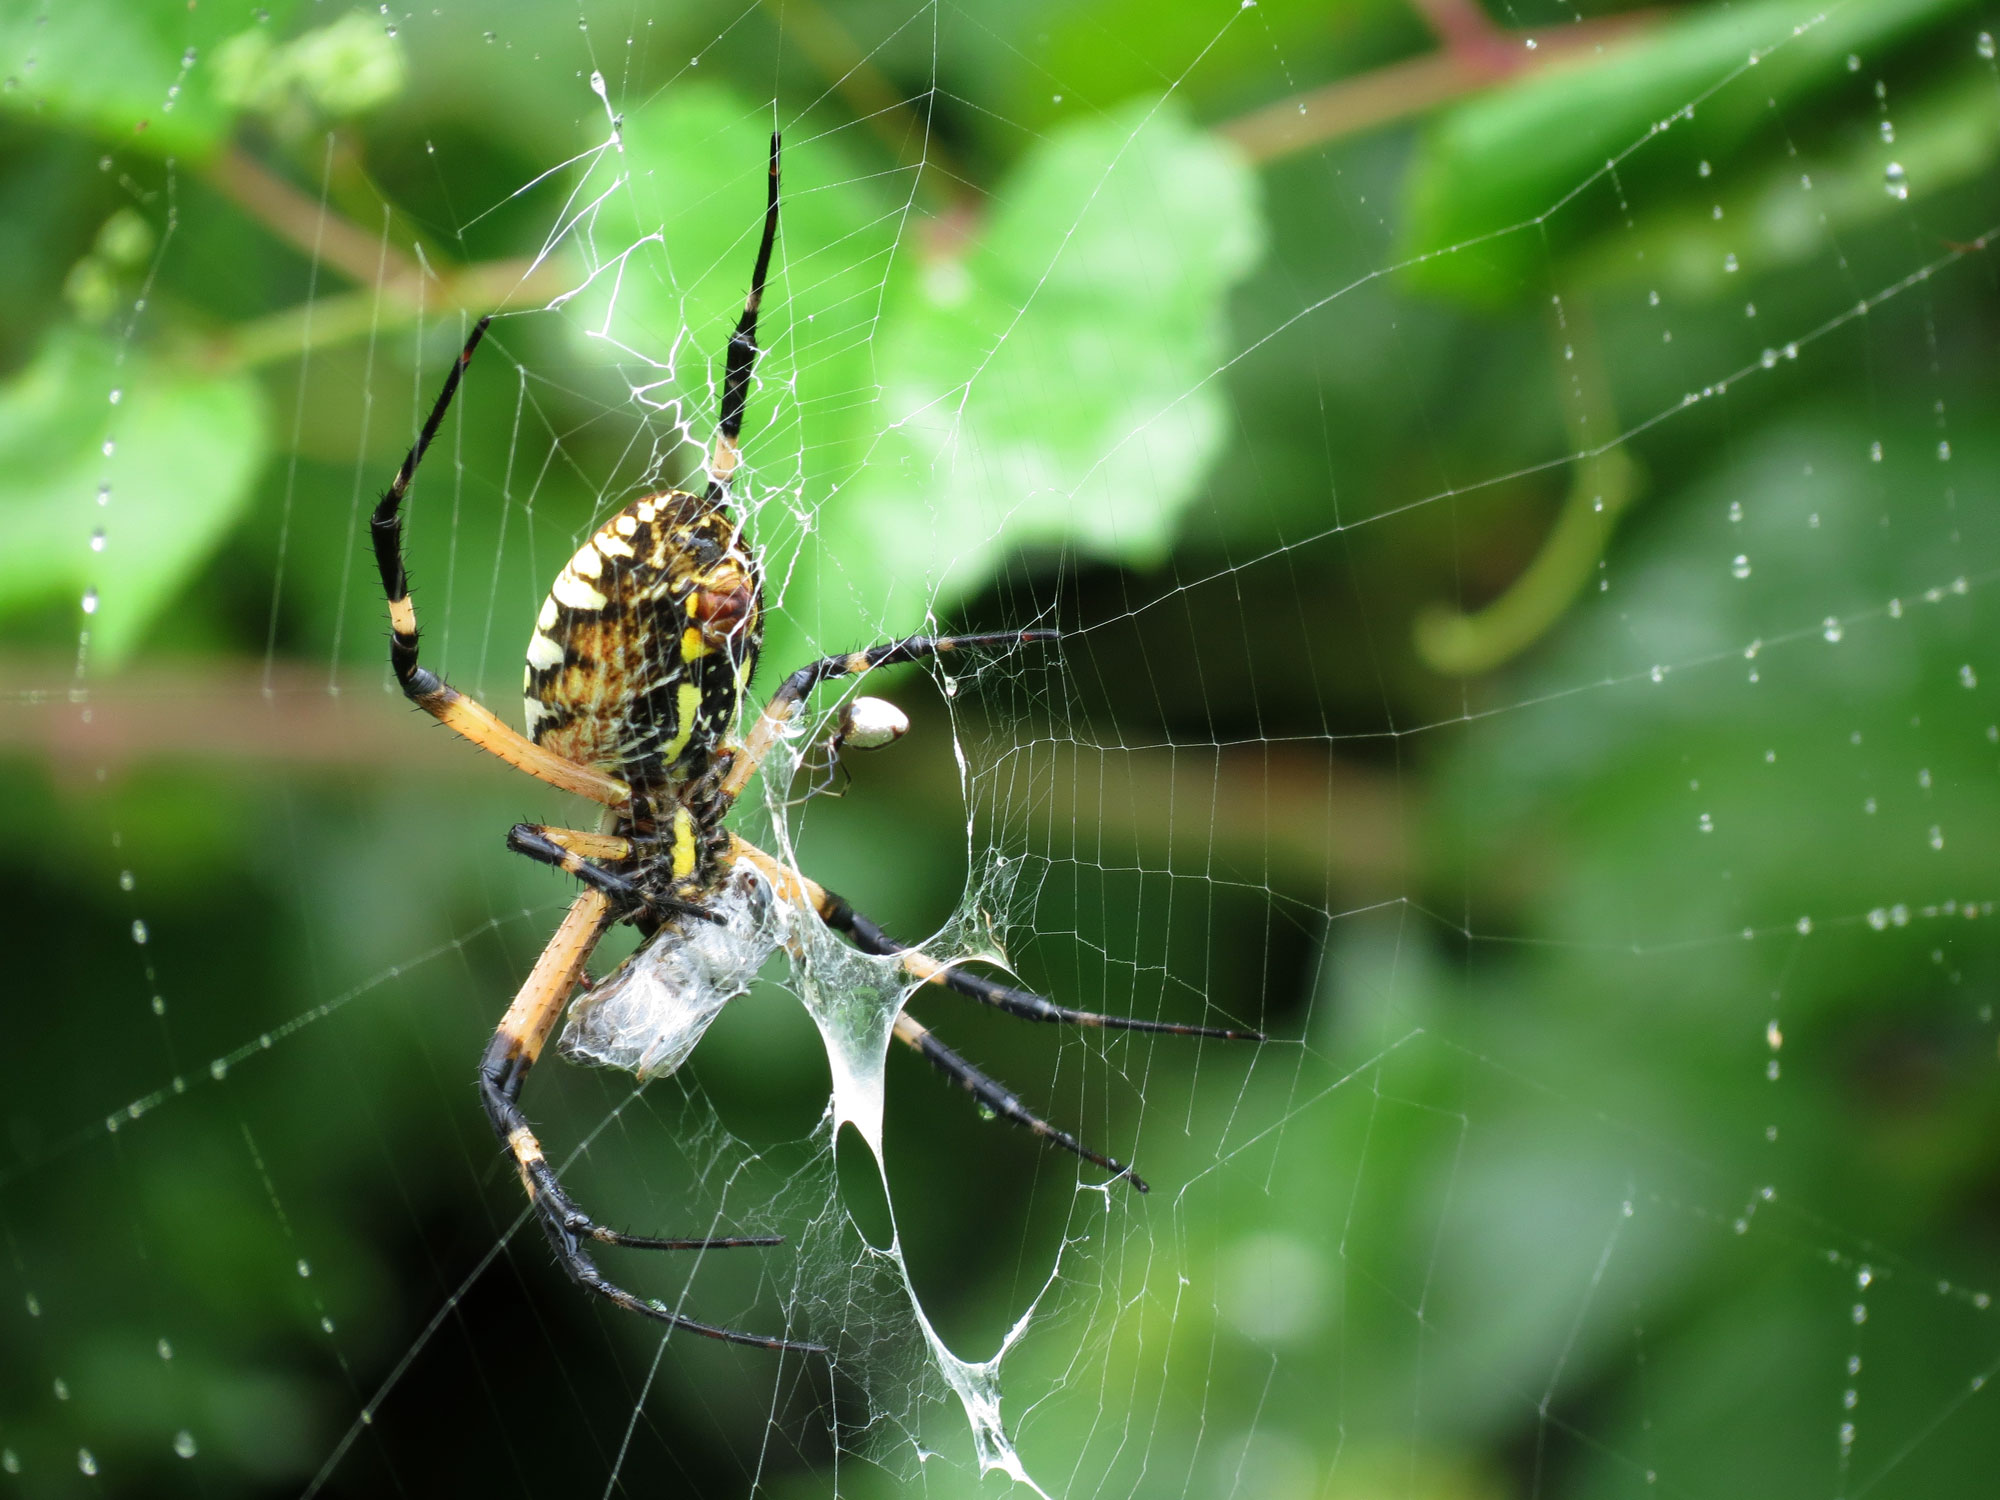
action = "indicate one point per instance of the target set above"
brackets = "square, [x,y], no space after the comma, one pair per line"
[926,422]
[1772,221]
[131,70]
[1107,256]
[171,454]
[1497,165]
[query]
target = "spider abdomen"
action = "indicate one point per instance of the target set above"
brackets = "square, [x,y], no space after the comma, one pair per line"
[642,649]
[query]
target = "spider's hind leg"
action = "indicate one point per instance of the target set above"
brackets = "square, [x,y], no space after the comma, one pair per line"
[870,938]
[504,1068]
[1001,1100]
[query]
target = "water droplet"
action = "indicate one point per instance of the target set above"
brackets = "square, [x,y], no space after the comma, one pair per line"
[1729,261]
[1740,568]
[1889,137]
[1804,926]
[165,1349]
[1853,63]
[1985,44]
[1894,179]
[305,1268]
[184,1444]
[326,1325]
[90,601]
[1736,510]
[1653,299]
[1768,359]
[1704,169]
[1774,1037]
[97,540]
[159,1005]
[1895,609]
[125,880]
[1830,628]
[1900,914]
[139,933]
[10,1460]
[219,1069]
[1860,1315]
[1706,824]
[1771,1070]
[1879,918]
[110,447]
[34,1305]
[1659,674]
[1937,837]
[1944,452]
[61,1389]
[87,1462]
[1967,677]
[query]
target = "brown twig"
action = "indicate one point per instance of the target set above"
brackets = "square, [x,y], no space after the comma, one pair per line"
[1476,55]
[1294,816]
[307,224]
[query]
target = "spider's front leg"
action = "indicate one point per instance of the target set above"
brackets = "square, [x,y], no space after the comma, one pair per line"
[791,695]
[514,1050]
[420,684]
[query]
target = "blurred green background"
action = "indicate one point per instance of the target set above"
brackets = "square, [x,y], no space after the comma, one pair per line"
[1518,486]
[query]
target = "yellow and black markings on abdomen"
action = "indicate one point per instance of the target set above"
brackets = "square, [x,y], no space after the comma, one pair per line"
[643,647]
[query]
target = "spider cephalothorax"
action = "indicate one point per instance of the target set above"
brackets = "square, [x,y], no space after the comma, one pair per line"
[636,673]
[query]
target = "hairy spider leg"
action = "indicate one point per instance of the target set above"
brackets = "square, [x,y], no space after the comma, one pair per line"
[742,356]
[1002,1100]
[869,937]
[803,889]
[565,849]
[515,1047]
[424,687]
[785,703]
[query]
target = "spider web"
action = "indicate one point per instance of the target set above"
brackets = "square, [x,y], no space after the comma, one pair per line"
[1525,604]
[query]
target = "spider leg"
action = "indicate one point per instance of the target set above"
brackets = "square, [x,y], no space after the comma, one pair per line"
[424,687]
[785,703]
[1000,1100]
[742,356]
[994,1096]
[565,849]
[516,1045]
[870,938]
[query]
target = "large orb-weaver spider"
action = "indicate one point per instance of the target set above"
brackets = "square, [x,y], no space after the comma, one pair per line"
[634,685]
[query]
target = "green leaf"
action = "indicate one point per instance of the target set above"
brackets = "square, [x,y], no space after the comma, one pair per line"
[916,419]
[671,250]
[1056,384]
[1503,164]
[135,71]
[116,503]
[1944,137]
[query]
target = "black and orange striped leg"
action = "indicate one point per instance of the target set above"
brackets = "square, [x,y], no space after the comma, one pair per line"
[563,848]
[509,1057]
[1002,1101]
[838,915]
[870,938]
[741,358]
[785,703]
[424,687]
